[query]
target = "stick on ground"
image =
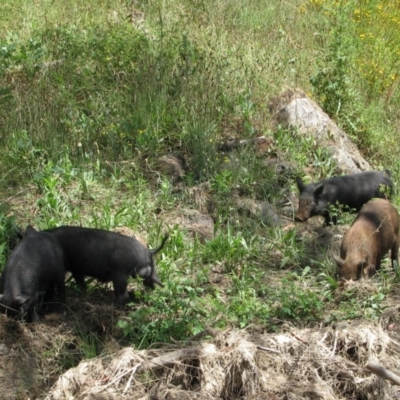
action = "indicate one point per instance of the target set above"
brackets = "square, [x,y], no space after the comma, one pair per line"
[383,372]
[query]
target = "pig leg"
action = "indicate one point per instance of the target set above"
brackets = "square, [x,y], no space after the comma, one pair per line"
[48,298]
[80,281]
[32,317]
[120,284]
[330,219]
[28,309]
[395,253]
[61,294]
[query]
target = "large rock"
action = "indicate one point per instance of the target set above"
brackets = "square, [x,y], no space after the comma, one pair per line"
[292,108]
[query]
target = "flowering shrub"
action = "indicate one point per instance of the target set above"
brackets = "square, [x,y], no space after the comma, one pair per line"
[373,27]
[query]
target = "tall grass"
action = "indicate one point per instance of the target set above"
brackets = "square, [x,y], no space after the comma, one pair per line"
[357,78]
[91,86]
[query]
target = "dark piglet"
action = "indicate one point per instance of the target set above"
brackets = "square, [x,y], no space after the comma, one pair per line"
[373,233]
[352,191]
[36,265]
[107,256]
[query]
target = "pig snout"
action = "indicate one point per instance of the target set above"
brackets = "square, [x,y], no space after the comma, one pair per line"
[301,215]
[299,218]
[305,210]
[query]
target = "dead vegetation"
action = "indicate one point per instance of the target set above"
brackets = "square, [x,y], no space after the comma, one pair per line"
[314,363]
[32,356]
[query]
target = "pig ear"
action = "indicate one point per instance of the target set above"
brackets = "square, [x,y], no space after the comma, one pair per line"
[300,184]
[318,189]
[338,260]
[18,232]
[29,230]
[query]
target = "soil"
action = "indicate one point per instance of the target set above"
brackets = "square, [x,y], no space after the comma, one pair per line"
[34,355]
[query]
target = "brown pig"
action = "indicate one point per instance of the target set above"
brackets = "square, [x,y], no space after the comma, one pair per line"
[373,233]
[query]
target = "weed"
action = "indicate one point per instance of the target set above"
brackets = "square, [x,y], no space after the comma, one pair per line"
[370,306]
[341,213]
[245,306]
[332,82]
[170,313]
[296,300]
[8,233]
[291,249]
[232,249]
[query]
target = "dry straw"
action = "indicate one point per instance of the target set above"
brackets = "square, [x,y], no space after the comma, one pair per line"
[325,363]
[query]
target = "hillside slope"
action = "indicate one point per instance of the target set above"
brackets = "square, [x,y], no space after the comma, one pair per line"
[152,117]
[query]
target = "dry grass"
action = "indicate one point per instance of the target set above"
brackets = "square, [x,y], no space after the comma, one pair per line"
[318,363]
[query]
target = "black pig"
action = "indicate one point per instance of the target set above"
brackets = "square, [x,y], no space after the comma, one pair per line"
[35,265]
[107,256]
[352,191]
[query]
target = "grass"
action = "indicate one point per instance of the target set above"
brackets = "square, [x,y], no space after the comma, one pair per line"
[89,102]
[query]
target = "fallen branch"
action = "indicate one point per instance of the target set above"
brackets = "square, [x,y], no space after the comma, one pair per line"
[268,349]
[299,339]
[172,357]
[383,372]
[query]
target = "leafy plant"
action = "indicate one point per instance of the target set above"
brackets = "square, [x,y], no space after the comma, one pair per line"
[370,306]
[8,233]
[296,301]
[171,313]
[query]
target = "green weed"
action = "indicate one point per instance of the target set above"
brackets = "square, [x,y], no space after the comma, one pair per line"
[370,307]
[296,300]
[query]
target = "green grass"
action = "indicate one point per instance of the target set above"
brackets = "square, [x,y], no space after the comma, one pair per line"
[90,101]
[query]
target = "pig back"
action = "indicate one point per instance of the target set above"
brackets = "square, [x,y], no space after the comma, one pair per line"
[375,229]
[35,265]
[355,190]
[99,253]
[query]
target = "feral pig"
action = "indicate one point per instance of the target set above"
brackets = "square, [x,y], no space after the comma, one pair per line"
[35,265]
[352,191]
[373,233]
[107,256]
